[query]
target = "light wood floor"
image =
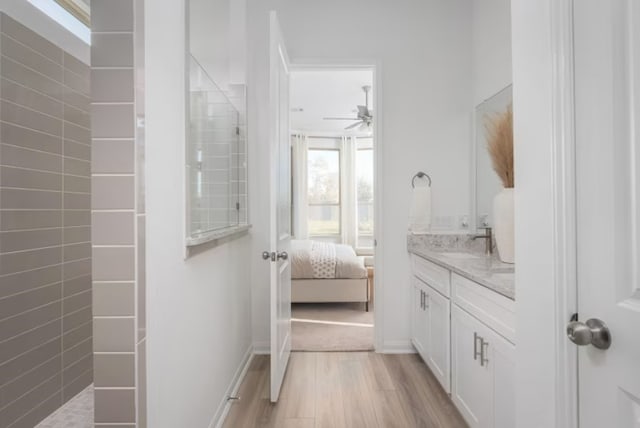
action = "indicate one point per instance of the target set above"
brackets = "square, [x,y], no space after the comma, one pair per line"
[345,389]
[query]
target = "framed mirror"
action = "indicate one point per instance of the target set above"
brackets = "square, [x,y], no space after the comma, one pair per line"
[485,182]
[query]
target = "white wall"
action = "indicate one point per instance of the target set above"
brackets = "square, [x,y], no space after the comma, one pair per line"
[491,47]
[199,320]
[423,48]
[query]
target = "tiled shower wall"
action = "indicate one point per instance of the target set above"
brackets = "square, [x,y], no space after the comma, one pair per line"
[45,232]
[118,212]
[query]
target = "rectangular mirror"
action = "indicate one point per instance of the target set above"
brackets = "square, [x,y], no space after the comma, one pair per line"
[486,183]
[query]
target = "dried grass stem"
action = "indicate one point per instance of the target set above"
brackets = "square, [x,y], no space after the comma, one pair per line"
[500,145]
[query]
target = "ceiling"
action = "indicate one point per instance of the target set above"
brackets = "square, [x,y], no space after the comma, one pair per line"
[320,94]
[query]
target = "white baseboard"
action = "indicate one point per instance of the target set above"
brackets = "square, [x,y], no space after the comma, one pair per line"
[232,390]
[261,348]
[397,347]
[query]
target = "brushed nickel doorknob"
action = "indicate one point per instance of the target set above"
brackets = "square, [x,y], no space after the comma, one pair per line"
[594,332]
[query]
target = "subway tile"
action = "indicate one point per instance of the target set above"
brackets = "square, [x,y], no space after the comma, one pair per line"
[76,218]
[77,368]
[141,390]
[77,336]
[27,37]
[77,167]
[22,137]
[77,351]
[74,64]
[114,370]
[31,79]
[76,269]
[77,150]
[74,252]
[17,115]
[77,100]
[28,179]
[112,121]
[25,404]
[142,278]
[113,264]
[77,201]
[29,380]
[75,303]
[111,15]
[78,284]
[29,58]
[77,117]
[78,385]
[20,220]
[25,281]
[113,228]
[77,133]
[73,235]
[77,184]
[21,365]
[24,158]
[113,298]
[113,334]
[29,98]
[140,171]
[111,50]
[115,405]
[78,83]
[112,86]
[14,326]
[40,412]
[113,156]
[76,319]
[20,199]
[29,260]
[111,193]
[31,339]
[23,302]
[29,239]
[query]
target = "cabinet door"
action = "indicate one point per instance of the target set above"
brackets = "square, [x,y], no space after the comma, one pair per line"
[472,388]
[418,315]
[501,354]
[438,337]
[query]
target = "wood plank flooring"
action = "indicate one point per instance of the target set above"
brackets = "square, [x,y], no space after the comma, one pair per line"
[345,389]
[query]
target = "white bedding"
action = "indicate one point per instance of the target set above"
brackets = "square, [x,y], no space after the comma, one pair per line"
[323,260]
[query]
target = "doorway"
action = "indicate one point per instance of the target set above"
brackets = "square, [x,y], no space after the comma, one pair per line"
[333,136]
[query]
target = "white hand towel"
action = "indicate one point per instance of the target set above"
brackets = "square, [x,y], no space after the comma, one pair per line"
[420,213]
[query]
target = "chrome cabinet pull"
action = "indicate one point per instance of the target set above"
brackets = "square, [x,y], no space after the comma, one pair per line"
[475,345]
[426,300]
[422,299]
[483,360]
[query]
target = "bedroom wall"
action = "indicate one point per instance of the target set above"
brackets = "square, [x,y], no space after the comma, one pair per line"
[199,319]
[423,48]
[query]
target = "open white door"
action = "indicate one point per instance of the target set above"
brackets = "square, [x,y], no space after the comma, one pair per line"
[607,99]
[280,207]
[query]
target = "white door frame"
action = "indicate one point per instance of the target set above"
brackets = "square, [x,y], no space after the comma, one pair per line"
[542,48]
[374,66]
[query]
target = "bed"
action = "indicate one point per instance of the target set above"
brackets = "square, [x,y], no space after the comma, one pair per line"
[327,272]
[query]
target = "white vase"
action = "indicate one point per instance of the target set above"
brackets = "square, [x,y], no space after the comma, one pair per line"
[503,224]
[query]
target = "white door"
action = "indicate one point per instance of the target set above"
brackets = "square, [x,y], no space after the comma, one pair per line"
[280,207]
[607,69]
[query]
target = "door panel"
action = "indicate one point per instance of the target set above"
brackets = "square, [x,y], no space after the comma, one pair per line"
[438,337]
[418,320]
[607,94]
[280,207]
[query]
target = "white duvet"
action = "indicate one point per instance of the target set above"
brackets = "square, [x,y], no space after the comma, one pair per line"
[325,260]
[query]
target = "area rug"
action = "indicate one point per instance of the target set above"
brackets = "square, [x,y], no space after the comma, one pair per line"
[331,327]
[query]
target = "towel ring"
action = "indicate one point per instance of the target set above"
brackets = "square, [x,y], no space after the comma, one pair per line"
[420,175]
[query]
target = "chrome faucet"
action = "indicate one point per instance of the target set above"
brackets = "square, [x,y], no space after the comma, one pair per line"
[488,236]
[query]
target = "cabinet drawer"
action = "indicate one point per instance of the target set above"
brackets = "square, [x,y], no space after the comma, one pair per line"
[495,310]
[434,275]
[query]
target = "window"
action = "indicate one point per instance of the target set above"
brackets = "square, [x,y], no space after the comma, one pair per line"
[323,184]
[364,197]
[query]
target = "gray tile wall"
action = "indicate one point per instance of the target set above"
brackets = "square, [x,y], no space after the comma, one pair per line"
[45,229]
[118,216]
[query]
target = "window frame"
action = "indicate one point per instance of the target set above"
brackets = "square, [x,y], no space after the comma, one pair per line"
[339,204]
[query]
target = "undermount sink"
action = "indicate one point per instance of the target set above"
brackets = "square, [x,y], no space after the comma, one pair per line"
[460,255]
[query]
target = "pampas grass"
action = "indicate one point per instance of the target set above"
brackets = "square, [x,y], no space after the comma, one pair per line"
[500,145]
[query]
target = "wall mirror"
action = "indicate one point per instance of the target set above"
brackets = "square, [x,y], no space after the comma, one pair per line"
[486,183]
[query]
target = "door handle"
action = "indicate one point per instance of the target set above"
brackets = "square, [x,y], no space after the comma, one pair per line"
[421,299]
[282,255]
[426,300]
[476,354]
[266,255]
[593,332]
[483,360]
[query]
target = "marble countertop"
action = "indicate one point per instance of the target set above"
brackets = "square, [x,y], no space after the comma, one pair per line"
[488,271]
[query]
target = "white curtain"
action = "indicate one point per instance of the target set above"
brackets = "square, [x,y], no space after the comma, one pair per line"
[300,191]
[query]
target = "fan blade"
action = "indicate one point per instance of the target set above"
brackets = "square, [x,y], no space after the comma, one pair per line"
[355,125]
[341,118]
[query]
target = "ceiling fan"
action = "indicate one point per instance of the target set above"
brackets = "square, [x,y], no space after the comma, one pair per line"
[365,116]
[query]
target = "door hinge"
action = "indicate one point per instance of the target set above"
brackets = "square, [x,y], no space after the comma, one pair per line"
[574,317]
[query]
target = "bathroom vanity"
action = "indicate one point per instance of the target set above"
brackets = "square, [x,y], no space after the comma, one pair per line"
[463,326]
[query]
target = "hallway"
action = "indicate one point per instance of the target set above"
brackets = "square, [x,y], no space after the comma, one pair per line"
[345,389]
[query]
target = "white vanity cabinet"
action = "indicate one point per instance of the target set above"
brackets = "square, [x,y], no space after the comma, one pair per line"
[465,333]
